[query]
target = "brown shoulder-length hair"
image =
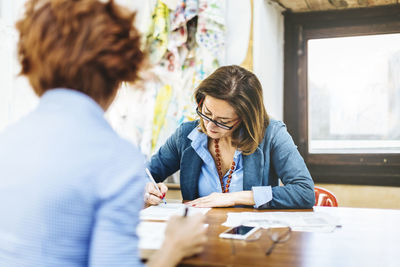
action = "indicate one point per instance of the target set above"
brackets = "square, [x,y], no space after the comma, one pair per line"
[242,90]
[85,45]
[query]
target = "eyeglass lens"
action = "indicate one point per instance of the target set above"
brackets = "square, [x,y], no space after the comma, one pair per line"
[211,120]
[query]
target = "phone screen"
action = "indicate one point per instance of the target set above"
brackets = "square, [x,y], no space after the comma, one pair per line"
[240,230]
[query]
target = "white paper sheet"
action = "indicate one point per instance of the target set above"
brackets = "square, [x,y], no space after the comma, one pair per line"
[151,234]
[298,221]
[164,211]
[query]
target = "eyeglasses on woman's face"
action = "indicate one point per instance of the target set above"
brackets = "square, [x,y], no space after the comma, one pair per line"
[220,125]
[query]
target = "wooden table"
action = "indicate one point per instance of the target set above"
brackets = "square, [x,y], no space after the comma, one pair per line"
[368,237]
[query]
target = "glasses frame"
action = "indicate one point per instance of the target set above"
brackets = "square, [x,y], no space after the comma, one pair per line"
[278,238]
[220,125]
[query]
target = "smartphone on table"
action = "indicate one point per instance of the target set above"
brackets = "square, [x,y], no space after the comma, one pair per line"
[239,232]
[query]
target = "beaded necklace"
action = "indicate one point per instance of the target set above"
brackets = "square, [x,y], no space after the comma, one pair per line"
[219,168]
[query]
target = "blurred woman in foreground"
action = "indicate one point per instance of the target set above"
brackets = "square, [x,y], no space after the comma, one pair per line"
[70,188]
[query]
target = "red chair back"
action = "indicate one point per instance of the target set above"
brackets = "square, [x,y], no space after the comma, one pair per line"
[324,197]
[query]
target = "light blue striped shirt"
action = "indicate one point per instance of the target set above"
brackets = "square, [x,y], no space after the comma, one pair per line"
[70,188]
[209,181]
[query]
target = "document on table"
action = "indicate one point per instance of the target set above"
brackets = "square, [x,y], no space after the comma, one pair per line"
[151,234]
[298,221]
[164,211]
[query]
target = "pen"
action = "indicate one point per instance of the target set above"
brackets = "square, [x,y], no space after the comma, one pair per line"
[186,211]
[154,182]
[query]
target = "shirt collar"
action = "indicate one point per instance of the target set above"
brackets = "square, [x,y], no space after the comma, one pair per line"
[62,97]
[199,140]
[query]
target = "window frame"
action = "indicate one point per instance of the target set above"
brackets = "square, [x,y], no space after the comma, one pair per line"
[364,169]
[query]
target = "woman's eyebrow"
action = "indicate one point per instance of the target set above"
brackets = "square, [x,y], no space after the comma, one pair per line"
[222,118]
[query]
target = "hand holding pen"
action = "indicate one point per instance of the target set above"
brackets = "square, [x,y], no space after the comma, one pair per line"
[155,193]
[185,234]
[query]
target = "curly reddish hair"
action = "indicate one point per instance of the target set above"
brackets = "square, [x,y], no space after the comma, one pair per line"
[84,45]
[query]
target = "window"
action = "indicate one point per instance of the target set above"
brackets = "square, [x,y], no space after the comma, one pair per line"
[354,94]
[342,93]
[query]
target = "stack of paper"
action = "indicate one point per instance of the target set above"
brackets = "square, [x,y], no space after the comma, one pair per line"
[163,211]
[298,221]
[151,234]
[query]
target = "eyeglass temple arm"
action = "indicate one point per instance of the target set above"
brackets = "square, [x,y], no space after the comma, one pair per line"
[269,251]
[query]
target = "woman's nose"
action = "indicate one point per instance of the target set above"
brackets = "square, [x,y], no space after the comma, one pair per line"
[211,125]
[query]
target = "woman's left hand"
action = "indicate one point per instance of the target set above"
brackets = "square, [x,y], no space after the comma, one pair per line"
[213,200]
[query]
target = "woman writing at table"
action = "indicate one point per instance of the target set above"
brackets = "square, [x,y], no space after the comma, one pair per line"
[233,155]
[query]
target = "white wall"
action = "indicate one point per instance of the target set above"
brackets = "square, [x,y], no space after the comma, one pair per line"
[268,41]
[16,96]
[238,25]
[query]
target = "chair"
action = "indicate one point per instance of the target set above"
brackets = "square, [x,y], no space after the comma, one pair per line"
[324,197]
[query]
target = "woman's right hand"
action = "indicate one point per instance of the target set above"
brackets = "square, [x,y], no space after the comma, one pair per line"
[152,196]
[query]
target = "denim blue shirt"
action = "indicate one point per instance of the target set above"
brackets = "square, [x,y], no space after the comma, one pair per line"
[70,188]
[276,158]
[209,180]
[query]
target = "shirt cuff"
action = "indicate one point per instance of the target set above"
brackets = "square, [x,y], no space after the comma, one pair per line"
[262,195]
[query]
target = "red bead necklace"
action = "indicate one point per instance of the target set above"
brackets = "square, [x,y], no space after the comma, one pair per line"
[219,169]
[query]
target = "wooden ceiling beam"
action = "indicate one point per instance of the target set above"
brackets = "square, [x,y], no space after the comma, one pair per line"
[295,5]
[321,5]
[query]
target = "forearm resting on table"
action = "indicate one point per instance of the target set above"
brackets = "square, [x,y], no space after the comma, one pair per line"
[243,198]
